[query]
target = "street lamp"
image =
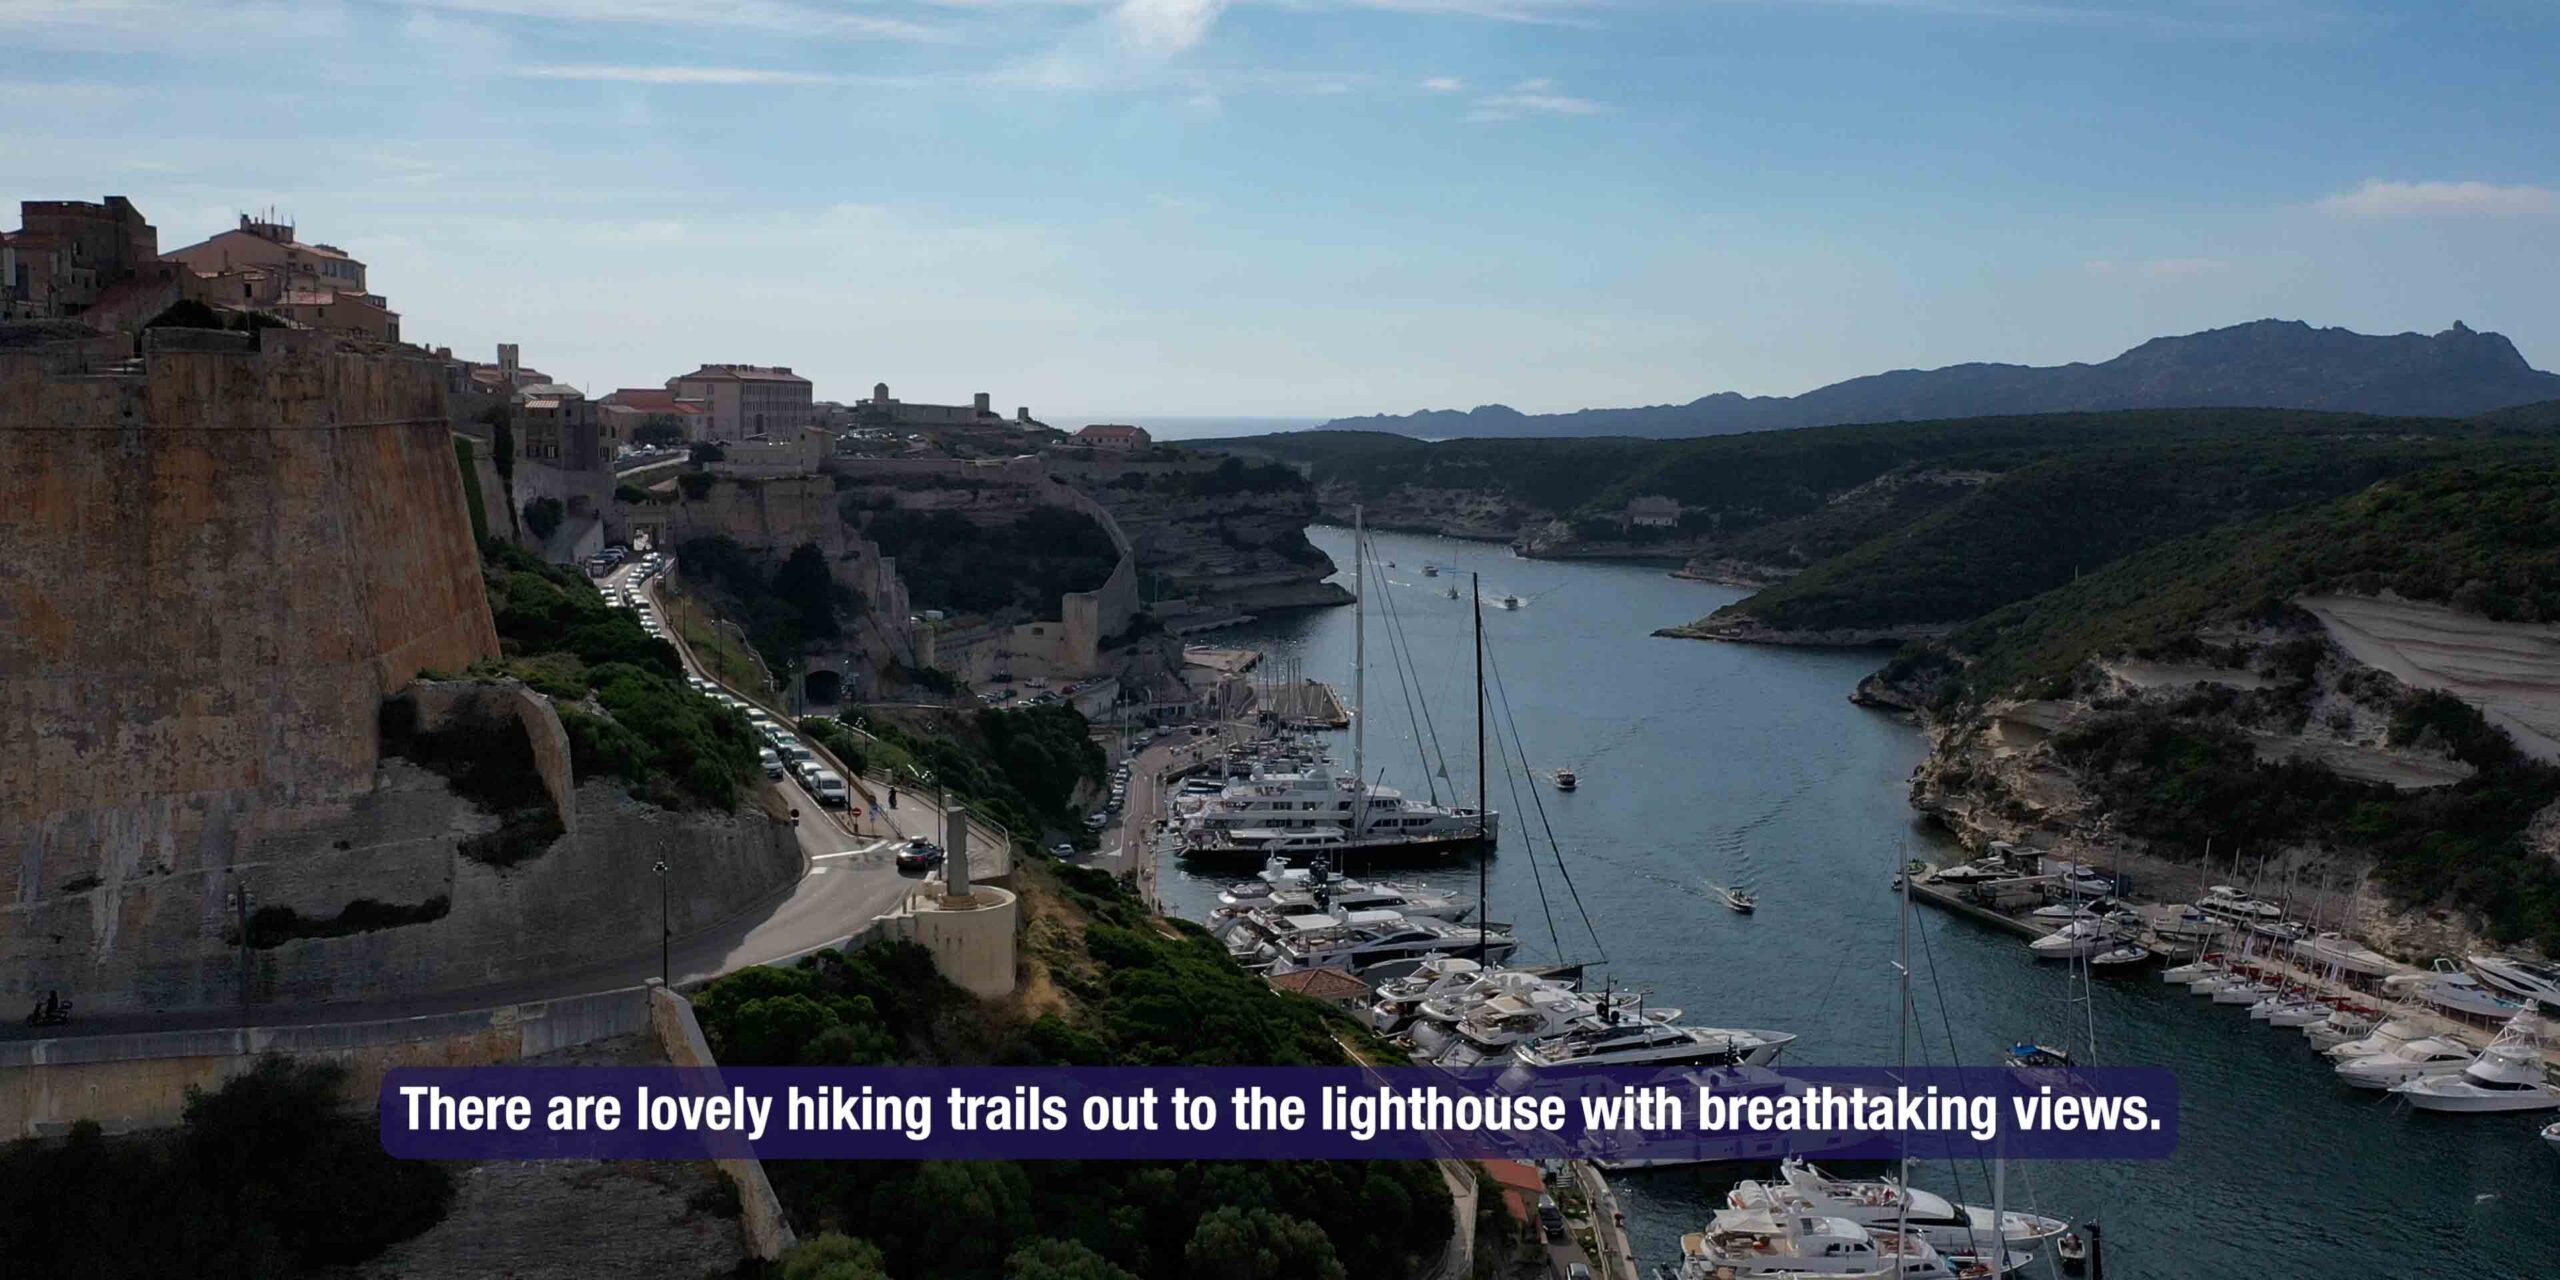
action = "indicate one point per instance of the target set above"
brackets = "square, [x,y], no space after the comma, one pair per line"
[664,933]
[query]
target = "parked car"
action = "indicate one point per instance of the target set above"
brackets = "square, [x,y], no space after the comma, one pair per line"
[772,761]
[1550,1218]
[1063,850]
[829,789]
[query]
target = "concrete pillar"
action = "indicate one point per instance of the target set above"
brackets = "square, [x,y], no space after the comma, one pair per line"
[955,840]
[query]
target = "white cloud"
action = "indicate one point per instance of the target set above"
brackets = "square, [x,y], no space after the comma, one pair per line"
[1163,27]
[1444,84]
[667,75]
[1532,97]
[2378,199]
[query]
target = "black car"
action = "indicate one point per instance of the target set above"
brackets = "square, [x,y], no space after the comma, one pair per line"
[919,855]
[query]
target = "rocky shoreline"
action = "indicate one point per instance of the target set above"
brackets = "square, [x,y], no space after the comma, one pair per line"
[1742,629]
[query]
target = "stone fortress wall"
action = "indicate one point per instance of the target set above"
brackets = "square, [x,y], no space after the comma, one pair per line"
[223,553]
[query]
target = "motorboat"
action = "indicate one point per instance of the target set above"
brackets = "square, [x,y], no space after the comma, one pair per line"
[1805,1188]
[1435,1021]
[2029,1054]
[2424,1056]
[1509,602]
[1765,1244]
[2385,1036]
[2125,954]
[1365,940]
[2077,909]
[2225,903]
[1319,811]
[2551,1136]
[2507,1076]
[2342,1024]
[1400,999]
[2291,1001]
[1566,781]
[2338,951]
[1739,901]
[2448,987]
[2518,977]
[2074,941]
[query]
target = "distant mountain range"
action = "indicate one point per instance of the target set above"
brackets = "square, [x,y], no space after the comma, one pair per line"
[2283,364]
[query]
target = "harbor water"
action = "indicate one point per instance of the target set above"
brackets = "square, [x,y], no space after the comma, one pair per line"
[1703,765]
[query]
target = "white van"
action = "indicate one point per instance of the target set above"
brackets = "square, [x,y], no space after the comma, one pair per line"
[829,789]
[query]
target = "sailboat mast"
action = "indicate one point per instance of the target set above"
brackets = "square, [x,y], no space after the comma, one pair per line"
[1359,683]
[1902,1030]
[1484,856]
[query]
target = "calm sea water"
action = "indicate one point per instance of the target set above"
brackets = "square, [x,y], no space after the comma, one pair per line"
[1727,764]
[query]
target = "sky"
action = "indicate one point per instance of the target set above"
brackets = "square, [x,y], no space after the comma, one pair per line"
[1305,208]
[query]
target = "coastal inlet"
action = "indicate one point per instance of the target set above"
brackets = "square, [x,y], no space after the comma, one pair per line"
[1707,765]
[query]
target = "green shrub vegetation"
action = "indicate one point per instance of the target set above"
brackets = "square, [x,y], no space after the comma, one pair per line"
[266,1177]
[1132,995]
[1019,767]
[1023,565]
[786,609]
[621,694]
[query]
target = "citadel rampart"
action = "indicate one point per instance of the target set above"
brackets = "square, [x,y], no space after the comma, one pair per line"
[218,559]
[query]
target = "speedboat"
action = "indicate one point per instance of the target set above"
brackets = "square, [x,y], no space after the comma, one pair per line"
[2073,941]
[1565,781]
[1740,901]
[1806,1189]
[1766,1244]
[2425,1056]
[2450,988]
[2524,979]
[2507,1076]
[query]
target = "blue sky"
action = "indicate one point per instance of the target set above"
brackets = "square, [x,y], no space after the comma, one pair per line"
[1312,207]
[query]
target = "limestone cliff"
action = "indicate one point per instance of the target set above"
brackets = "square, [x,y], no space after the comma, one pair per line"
[1213,531]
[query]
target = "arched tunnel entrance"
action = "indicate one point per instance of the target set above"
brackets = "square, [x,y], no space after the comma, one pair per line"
[823,687]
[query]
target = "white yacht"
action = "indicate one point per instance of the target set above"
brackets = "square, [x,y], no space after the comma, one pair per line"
[2339,1026]
[2448,987]
[1320,897]
[1435,1022]
[1630,1043]
[1320,811]
[1365,940]
[1489,1034]
[1805,1188]
[2337,950]
[2424,1056]
[2225,903]
[2507,1076]
[2076,940]
[1400,999]
[2523,979]
[1762,1244]
[2392,1032]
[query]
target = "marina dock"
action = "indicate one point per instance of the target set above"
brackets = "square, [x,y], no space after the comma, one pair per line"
[1306,703]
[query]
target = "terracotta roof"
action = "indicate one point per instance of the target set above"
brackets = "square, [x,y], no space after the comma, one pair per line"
[1323,984]
[741,373]
[1520,1183]
[652,400]
[1109,431]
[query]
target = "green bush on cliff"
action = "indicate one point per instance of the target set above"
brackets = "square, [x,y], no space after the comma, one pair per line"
[1129,995]
[265,1177]
[954,564]
[786,609]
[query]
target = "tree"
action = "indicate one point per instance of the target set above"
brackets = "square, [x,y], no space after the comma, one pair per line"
[830,1256]
[1233,1243]
[1061,1260]
[706,452]
[543,516]
[658,430]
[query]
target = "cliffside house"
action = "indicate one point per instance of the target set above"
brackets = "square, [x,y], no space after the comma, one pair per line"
[622,414]
[1335,987]
[748,399]
[1114,436]
[1653,511]
[66,254]
[260,264]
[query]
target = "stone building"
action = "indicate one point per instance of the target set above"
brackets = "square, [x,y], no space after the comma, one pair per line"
[900,415]
[66,253]
[623,413]
[1652,511]
[261,264]
[556,426]
[1115,437]
[747,399]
